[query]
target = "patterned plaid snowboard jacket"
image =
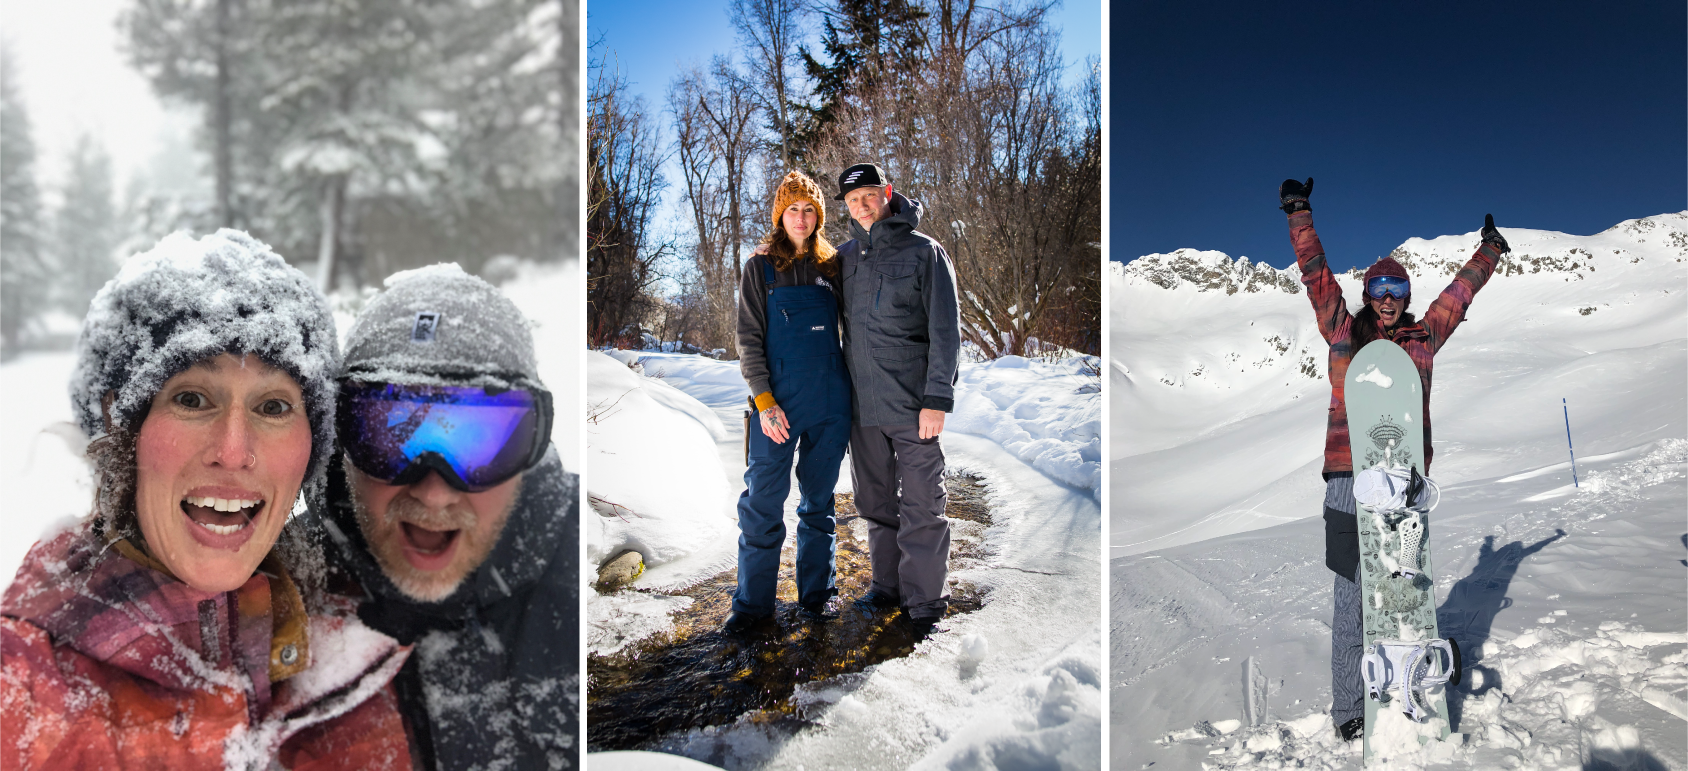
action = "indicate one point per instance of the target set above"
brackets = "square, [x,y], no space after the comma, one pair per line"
[107,661]
[1420,340]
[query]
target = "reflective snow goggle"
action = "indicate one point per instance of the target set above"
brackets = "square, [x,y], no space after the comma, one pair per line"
[1388,286]
[475,438]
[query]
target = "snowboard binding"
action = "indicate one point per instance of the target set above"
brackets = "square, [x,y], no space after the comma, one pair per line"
[1399,498]
[1404,672]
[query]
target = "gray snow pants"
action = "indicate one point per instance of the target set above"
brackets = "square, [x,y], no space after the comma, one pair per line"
[1347,629]
[907,535]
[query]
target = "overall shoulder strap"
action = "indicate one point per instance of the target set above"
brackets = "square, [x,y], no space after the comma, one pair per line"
[768,276]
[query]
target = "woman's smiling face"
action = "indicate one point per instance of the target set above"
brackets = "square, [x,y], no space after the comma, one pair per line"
[799,220]
[219,461]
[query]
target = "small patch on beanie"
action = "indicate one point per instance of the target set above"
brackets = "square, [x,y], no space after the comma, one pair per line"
[426,327]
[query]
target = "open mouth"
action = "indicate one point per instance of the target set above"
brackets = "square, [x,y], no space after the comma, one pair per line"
[222,516]
[427,542]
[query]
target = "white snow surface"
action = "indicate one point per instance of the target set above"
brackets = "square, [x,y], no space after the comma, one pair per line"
[1567,597]
[1016,684]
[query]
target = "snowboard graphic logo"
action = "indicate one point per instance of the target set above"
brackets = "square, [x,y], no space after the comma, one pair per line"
[1386,439]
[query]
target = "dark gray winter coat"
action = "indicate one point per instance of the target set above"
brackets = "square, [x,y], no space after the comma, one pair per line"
[495,673]
[902,323]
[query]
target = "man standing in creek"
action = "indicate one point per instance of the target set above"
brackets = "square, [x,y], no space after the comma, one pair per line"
[902,339]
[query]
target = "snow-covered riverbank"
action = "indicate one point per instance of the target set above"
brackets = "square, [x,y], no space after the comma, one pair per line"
[1018,679]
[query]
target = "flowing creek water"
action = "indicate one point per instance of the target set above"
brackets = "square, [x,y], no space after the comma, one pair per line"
[694,675]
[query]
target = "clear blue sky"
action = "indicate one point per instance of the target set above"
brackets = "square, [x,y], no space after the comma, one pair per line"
[652,41]
[1415,119]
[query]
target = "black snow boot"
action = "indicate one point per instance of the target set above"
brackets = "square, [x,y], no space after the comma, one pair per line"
[814,611]
[876,600]
[741,623]
[924,626]
[1352,729]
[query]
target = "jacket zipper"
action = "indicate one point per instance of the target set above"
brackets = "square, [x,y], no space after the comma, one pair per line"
[878,292]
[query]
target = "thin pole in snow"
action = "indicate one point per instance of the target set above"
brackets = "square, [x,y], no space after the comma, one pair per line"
[1568,441]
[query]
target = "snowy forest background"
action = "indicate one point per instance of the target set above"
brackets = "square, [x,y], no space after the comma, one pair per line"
[357,137]
[963,103]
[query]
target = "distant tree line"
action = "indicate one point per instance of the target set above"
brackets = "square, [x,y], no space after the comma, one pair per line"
[961,101]
[359,136]
[52,259]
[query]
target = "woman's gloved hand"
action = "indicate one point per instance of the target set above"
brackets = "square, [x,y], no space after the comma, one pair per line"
[774,424]
[1294,195]
[1492,236]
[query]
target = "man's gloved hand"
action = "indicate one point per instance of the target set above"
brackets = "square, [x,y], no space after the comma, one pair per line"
[1493,236]
[1294,195]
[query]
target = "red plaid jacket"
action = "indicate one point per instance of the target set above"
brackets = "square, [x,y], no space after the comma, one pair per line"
[1421,340]
[106,661]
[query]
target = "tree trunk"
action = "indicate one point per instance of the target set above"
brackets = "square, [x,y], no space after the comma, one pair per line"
[328,247]
[220,116]
[568,118]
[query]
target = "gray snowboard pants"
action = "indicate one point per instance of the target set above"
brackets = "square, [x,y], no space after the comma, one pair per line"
[1347,629]
[907,536]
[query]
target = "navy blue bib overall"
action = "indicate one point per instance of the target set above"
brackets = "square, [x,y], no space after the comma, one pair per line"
[809,382]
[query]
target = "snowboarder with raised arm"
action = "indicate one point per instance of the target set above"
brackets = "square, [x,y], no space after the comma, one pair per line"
[1387,294]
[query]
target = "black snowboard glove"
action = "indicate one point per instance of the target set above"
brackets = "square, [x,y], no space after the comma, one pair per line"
[1294,195]
[1492,236]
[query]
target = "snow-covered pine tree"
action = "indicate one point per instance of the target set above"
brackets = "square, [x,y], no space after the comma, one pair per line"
[24,267]
[86,230]
[401,131]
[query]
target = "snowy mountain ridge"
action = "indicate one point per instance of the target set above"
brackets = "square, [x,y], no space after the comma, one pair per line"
[1533,251]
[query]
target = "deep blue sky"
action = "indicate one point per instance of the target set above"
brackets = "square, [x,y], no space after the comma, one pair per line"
[1415,119]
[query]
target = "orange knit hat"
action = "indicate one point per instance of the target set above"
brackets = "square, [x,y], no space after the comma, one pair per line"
[798,187]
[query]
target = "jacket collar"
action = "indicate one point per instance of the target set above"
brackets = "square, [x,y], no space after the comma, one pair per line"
[287,609]
[903,220]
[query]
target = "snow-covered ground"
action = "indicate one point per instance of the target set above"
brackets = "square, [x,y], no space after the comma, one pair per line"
[1015,684]
[47,482]
[1568,599]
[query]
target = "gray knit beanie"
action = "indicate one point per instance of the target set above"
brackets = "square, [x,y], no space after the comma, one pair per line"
[191,299]
[441,326]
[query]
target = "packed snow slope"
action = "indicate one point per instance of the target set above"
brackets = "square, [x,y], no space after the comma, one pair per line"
[1568,597]
[1220,386]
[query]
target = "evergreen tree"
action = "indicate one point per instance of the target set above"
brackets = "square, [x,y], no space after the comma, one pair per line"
[24,269]
[866,44]
[376,134]
[86,227]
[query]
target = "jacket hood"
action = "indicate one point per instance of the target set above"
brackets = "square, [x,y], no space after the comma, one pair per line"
[904,220]
[531,535]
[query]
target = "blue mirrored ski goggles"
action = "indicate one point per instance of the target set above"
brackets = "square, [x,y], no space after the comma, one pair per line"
[475,438]
[1380,287]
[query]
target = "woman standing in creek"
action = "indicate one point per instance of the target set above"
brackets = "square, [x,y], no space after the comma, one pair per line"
[790,356]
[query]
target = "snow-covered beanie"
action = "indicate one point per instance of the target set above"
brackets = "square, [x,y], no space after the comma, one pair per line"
[798,187]
[441,326]
[190,299]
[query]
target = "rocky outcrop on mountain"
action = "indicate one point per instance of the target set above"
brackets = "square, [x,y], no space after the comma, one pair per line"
[1210,271]
[1546,251]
